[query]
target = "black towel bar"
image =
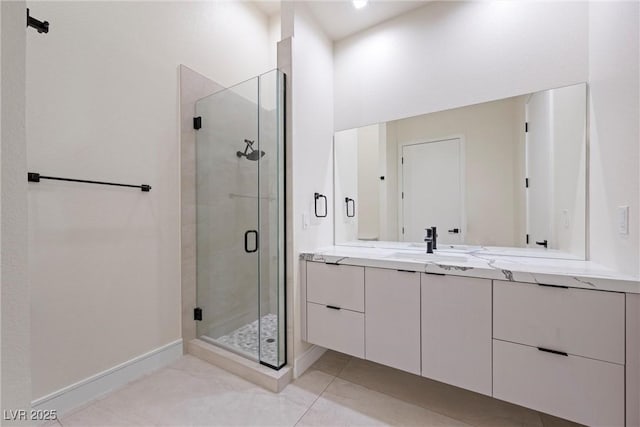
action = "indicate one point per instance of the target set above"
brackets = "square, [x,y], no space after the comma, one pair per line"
[36,177]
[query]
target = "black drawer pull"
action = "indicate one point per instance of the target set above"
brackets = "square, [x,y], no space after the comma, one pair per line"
[333,307]
[553,286]
[546,350]
[406,271]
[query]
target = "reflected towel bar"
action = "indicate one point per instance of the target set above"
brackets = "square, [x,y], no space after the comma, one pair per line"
[36,177]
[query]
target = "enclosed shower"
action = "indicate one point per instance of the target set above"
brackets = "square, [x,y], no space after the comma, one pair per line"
[240,219]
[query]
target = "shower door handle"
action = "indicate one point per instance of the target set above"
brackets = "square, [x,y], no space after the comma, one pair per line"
[246,241]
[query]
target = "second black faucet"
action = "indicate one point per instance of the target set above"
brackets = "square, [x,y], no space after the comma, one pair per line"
[431,239]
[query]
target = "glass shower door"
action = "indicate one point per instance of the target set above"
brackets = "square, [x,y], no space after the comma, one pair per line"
[227,219]
[240,219]
[271,214]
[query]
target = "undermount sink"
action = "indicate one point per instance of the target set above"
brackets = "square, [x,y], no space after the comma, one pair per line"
[418,256]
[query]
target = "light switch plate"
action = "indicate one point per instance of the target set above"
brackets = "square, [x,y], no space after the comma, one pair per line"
[305,220]
[565,218]
[623,220]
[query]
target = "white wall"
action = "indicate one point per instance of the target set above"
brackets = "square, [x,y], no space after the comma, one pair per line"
[449,54]
[102,103]
[15,385]
[275,31]
[614,73]
[312,137]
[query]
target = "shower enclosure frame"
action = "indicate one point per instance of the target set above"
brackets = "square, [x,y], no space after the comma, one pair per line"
[280,265]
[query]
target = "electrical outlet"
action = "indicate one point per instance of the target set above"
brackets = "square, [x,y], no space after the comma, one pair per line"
[623,220]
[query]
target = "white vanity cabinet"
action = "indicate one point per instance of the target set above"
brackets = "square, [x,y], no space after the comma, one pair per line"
[560,351]
[456,331]
[581,322]
[337,285]
[335,307]
[392,318]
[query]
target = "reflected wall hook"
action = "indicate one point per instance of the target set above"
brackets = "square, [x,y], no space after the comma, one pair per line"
[40,26]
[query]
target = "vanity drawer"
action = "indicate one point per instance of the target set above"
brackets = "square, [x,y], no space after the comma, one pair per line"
[576,321]
[337,285]
[584,390]
[339,330]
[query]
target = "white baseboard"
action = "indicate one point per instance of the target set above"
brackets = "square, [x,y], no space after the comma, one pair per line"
[95,386]
[309,357]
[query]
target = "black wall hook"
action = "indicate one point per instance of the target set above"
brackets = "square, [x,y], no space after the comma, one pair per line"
[40,26]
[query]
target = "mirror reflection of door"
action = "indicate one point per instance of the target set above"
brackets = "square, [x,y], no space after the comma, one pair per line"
[539,139]
[431,191]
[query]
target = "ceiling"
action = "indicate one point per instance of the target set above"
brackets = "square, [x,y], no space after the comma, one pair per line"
[340,19]
[268,7]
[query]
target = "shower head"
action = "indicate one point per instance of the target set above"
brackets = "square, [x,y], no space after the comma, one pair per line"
[250,153]
[255,155]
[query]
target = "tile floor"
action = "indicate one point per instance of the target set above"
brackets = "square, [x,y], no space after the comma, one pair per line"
[338,390]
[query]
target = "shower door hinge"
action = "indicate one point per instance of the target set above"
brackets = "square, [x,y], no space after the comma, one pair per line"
[526,126]
[526,182]
[197,313]
[197,122]
[527,239]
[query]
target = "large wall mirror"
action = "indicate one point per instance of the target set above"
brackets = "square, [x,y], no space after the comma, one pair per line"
[506,173]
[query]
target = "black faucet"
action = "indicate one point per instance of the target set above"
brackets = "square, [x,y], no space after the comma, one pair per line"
[435,237]
[429,240]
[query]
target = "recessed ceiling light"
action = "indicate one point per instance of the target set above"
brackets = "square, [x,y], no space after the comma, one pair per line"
[359,4]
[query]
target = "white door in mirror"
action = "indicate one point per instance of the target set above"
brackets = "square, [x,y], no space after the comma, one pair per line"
[539,148]
[431,190]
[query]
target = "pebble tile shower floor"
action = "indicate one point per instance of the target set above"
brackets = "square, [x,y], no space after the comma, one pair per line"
[245,339]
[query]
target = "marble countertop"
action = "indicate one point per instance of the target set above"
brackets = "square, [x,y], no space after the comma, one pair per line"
[512,264]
